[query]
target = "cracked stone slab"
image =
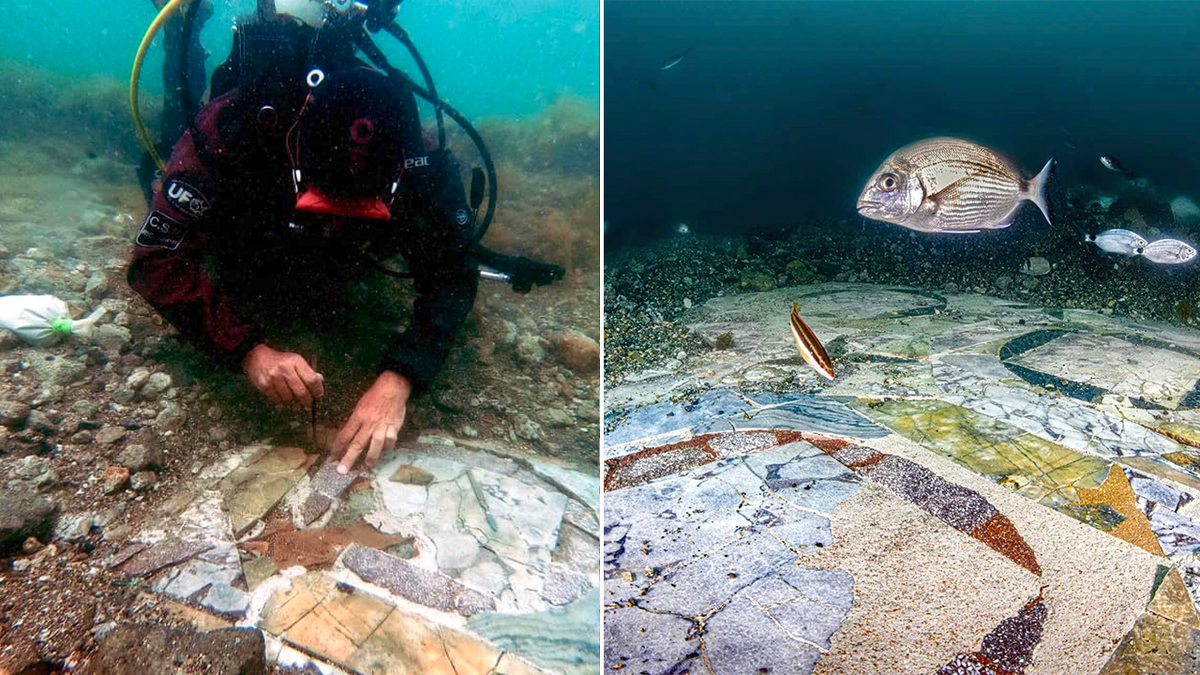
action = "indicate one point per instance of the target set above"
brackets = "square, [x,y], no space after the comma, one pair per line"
[625,426]
[251,490]
[424,587]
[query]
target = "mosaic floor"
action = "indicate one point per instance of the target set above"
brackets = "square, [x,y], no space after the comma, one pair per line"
[452,556]
[986,487]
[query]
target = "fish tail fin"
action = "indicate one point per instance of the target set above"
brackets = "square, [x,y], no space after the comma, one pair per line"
[1037,189]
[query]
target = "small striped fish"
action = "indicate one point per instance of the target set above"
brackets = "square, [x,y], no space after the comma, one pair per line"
[809,346]
[951,185]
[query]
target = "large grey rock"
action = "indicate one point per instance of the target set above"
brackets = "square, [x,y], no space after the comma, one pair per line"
[23,514]
[137,457]
[13,414]
[134,649]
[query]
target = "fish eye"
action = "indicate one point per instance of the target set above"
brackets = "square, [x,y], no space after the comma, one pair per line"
[888,182]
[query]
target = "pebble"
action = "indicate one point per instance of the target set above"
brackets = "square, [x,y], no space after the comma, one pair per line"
[13,413]
[155,385]
[687,303]
[110,435]
[527,429]
[137,457]
[39,422]
[114,478]
[73,528]
[143,480]
[36,471]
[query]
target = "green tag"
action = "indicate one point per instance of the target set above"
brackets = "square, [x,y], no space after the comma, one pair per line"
[61,326]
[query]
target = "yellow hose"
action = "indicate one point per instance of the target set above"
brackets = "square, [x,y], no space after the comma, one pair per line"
[159,20]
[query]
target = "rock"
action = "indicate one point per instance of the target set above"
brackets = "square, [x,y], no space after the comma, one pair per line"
[529,350]
[97,284]
[137,457]
[155,385]
[687,303]
[114,478]
[797,271]
[13,414]
[74,528]
[23,514]
[111,337]
[110,435]
[526,428]
[85,407]
[35,472]
[758,281]
[950,287]
[135,649]
[70,424]
[1185,211]
[137,378]
[170,417]
[1003,283]
[724,341]
[143,480]
[39,422]
[555,417]
[577,351]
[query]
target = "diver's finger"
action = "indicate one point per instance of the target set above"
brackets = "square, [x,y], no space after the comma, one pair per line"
[313,381]
[283,395]
[377,441]
[355,449]
[298,388]
[389,437]
[343,438]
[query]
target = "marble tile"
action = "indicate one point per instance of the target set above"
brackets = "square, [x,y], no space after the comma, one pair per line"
[624,426]
[1135,370]
[424,587]
[1156,645]
[562,640]
[252,490]
[816,414]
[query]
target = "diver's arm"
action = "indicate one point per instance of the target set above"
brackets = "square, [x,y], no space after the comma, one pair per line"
[166,267]
[447,286]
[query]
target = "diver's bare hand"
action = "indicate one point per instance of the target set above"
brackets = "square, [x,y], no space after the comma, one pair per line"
[375,423]
[284,377]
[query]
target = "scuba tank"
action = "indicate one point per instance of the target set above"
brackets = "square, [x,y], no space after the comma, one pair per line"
[287,39]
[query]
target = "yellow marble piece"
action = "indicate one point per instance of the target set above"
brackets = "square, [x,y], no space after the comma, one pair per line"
[1036,468]
[285,608]
[1156,645]
[1172,601]
[407,644]
[1118,494]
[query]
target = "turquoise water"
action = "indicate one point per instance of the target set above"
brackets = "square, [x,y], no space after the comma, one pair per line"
[488,58]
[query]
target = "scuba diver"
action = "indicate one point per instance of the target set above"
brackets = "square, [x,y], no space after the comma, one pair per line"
[307,168]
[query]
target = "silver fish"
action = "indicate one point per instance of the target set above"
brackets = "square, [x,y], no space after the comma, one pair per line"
[1113,164]
[1118,241]
[951,185]
[1169,252]
[675,59]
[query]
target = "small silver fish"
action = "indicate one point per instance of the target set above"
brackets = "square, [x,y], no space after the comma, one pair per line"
[1169,252]
[1118,241]
[951,185]
[683,228]
[1113,164]
[1035,267]
[675,59]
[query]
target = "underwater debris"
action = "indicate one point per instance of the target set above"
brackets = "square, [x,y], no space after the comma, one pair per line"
[961,508]
[1185,311]
[1008,649]
[810,347]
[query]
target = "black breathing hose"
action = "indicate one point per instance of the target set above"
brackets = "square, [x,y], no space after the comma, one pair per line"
[401,35]
[377,57]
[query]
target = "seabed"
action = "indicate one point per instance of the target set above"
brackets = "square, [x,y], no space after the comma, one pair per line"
[986,487]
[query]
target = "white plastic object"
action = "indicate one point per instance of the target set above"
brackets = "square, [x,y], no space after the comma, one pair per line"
[43,320]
